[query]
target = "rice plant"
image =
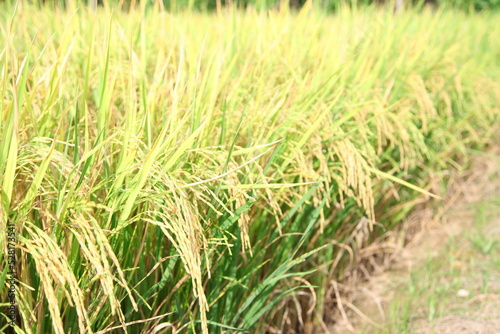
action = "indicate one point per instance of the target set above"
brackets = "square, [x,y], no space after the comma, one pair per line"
[214,172]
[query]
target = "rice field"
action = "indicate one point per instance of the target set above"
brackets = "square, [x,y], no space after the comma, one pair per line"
[217,172]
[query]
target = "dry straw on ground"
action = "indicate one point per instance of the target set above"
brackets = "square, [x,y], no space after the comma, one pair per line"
[424,235]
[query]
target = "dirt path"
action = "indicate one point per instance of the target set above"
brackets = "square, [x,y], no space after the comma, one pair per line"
[447,280]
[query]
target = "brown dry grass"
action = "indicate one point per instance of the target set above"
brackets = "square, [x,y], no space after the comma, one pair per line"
[365,300]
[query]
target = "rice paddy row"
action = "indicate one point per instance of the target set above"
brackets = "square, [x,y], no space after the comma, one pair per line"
[197,172]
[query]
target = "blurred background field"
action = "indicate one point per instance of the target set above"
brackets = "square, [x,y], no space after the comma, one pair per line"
[197,170]
[325,5]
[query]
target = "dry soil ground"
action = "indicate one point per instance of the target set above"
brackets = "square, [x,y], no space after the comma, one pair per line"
[447,279]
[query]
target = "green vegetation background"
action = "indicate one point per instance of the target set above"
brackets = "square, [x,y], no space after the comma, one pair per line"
[327,5]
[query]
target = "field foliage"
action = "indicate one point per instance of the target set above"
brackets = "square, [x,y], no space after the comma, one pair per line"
[197,172]
[325,5]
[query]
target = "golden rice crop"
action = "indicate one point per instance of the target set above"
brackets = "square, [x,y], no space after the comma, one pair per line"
[206,172]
